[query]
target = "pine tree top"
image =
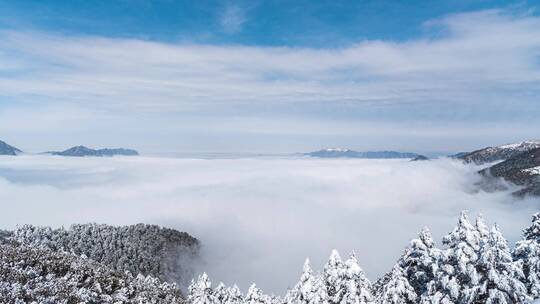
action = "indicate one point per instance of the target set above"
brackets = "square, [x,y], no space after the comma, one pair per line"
[533,232]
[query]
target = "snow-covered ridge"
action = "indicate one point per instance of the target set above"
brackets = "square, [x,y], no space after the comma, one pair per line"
[504,152]
[525,145]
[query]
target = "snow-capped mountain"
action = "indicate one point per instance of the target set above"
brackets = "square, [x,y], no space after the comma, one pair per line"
[522,169]
[85,151]
[492,154]
[340,152]
[6,149]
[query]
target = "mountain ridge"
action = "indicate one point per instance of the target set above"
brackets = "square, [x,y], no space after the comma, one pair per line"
[522,170]
[348,153]
[497,153]
[81,151]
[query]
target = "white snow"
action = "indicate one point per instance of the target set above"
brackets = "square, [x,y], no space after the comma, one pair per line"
[534,170]
[336,150]
[522,145]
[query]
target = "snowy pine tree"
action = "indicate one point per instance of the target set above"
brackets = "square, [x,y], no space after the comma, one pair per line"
[527,252]
[500,276]
[229,295]
[397,289]
[357,288]
[319,293]
[255,296]
[302,293]
[333,275]
[419,262]
[200,291]
[456,272]
[481,227]
[220,292]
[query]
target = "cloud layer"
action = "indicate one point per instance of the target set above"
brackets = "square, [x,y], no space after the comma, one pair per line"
[472,70]
[258,219]
[468,60]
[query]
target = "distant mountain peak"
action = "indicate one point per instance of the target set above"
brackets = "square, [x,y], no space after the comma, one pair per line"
[80,151]
[6,149]
[348,153]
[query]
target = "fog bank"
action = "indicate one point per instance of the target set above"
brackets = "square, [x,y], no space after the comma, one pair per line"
[258,219]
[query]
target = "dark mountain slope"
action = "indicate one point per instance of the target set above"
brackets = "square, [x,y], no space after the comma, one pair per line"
[522,170]
[6,149]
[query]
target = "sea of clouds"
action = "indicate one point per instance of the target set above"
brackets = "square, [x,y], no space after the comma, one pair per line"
[259,218]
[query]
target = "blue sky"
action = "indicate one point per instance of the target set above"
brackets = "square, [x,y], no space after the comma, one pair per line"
[277,76]
[271,23]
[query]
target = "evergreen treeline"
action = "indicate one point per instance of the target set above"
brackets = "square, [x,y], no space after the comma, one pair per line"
[474,266]
[41,275]
[163,253]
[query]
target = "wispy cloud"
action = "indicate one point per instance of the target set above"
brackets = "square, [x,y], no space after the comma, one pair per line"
[486,60]
[467,65]
[232,18]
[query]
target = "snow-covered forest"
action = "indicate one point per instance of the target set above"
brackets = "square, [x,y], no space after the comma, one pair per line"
[40,275]
[104,264]
[474,265]
[147,249]
[93,263]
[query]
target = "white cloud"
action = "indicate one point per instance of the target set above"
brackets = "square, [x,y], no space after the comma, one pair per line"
[485,64]
[259,218]
[232,19]
[467,65]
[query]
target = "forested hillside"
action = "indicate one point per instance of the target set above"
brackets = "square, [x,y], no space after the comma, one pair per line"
[146,249]
[40,275]
[94,263]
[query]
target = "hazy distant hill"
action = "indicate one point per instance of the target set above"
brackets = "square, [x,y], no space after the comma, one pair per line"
[420,158]
[6,149]
[337,153]
[80,151]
